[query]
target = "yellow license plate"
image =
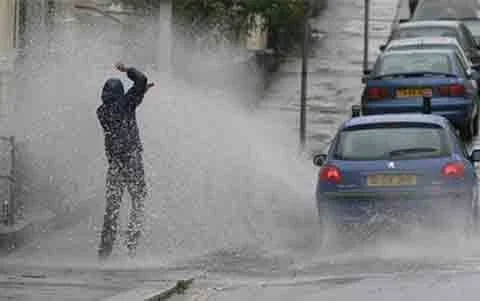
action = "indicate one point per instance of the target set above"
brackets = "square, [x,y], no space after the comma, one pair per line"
[391,180]
[411,92]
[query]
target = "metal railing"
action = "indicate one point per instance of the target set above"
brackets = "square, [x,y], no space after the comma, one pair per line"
[8,203]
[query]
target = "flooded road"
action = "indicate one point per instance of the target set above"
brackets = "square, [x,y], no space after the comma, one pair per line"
[231,202]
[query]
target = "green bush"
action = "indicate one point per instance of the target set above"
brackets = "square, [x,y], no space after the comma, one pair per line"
[232,18]
[283,18]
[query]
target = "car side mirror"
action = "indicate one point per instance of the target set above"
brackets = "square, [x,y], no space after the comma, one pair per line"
[356,110]
[382,47]
[319,160]
[366,75]
[473,74]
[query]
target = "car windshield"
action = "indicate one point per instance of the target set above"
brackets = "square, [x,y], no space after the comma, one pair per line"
[398,63]
[417,32]
[389,141]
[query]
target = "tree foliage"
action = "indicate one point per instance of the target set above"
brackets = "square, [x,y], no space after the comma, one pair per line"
[231,18]
[283,18]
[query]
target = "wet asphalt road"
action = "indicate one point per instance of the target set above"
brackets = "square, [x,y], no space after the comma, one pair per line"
[259,245]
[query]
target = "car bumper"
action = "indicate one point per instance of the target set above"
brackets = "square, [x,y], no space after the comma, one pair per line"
[361,208]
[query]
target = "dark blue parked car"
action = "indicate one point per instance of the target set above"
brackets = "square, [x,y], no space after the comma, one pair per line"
[400,78]
[399,166]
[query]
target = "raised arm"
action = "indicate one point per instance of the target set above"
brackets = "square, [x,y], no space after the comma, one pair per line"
[135,94]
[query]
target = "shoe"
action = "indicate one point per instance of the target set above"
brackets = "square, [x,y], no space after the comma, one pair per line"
[132,251]
[104,253]
[131,242]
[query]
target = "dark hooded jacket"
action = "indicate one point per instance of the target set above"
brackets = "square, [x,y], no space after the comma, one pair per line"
[117,115]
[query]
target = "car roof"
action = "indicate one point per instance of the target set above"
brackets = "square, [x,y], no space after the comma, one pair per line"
[410,51]
[404,118]
[433,23]
[423,40]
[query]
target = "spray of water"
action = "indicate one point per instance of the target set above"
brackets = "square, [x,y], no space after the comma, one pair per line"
[220,176]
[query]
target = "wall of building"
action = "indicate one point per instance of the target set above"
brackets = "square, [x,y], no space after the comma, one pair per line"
[8,49]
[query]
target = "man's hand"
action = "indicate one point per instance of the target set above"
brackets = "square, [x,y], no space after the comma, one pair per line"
[149,85]
[121,67]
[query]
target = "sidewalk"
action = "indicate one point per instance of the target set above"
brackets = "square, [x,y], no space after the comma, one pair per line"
[24,227]
[335,69]
[35,222]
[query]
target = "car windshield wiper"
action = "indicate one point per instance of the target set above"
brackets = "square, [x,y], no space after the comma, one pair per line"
[417,73]
[412,150]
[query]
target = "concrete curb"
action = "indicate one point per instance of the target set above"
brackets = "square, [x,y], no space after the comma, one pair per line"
[153,294]
[13,236]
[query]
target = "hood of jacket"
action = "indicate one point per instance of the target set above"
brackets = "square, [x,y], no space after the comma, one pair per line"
[112,91]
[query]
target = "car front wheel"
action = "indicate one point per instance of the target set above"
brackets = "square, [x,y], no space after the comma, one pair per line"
[475,216]
[475,125]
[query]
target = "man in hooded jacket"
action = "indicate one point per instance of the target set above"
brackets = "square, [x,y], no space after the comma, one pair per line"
[123,149]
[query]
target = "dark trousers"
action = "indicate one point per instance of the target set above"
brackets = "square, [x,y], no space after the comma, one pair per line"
[126,172]
[412,4]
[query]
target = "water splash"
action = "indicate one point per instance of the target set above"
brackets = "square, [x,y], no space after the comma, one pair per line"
[220,176]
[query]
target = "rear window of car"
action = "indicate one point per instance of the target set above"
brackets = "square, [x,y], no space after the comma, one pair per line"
[417,32]
[392,142]
[398,63]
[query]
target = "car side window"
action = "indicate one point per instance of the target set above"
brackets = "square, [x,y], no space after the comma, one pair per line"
[464,57]
[468,36]
[462,61]
[459,62]
[463,39]
[458,141]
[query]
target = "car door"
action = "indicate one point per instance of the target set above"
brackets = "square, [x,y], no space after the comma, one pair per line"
[467,68]
[471,50]
[464,72]
[463,57]
[462,148]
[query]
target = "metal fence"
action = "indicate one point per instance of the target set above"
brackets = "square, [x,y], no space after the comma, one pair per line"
[7,180]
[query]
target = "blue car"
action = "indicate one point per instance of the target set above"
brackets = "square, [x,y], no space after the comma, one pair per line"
[399,166]
[400,79]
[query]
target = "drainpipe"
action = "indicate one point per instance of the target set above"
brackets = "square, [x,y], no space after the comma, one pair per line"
[366,18]
[304,76]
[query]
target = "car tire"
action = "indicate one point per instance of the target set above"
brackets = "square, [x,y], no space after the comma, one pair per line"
[335,238]
[326,235]
[475,216]
[475,125]
[331,237]
[327,231]
[472,220]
